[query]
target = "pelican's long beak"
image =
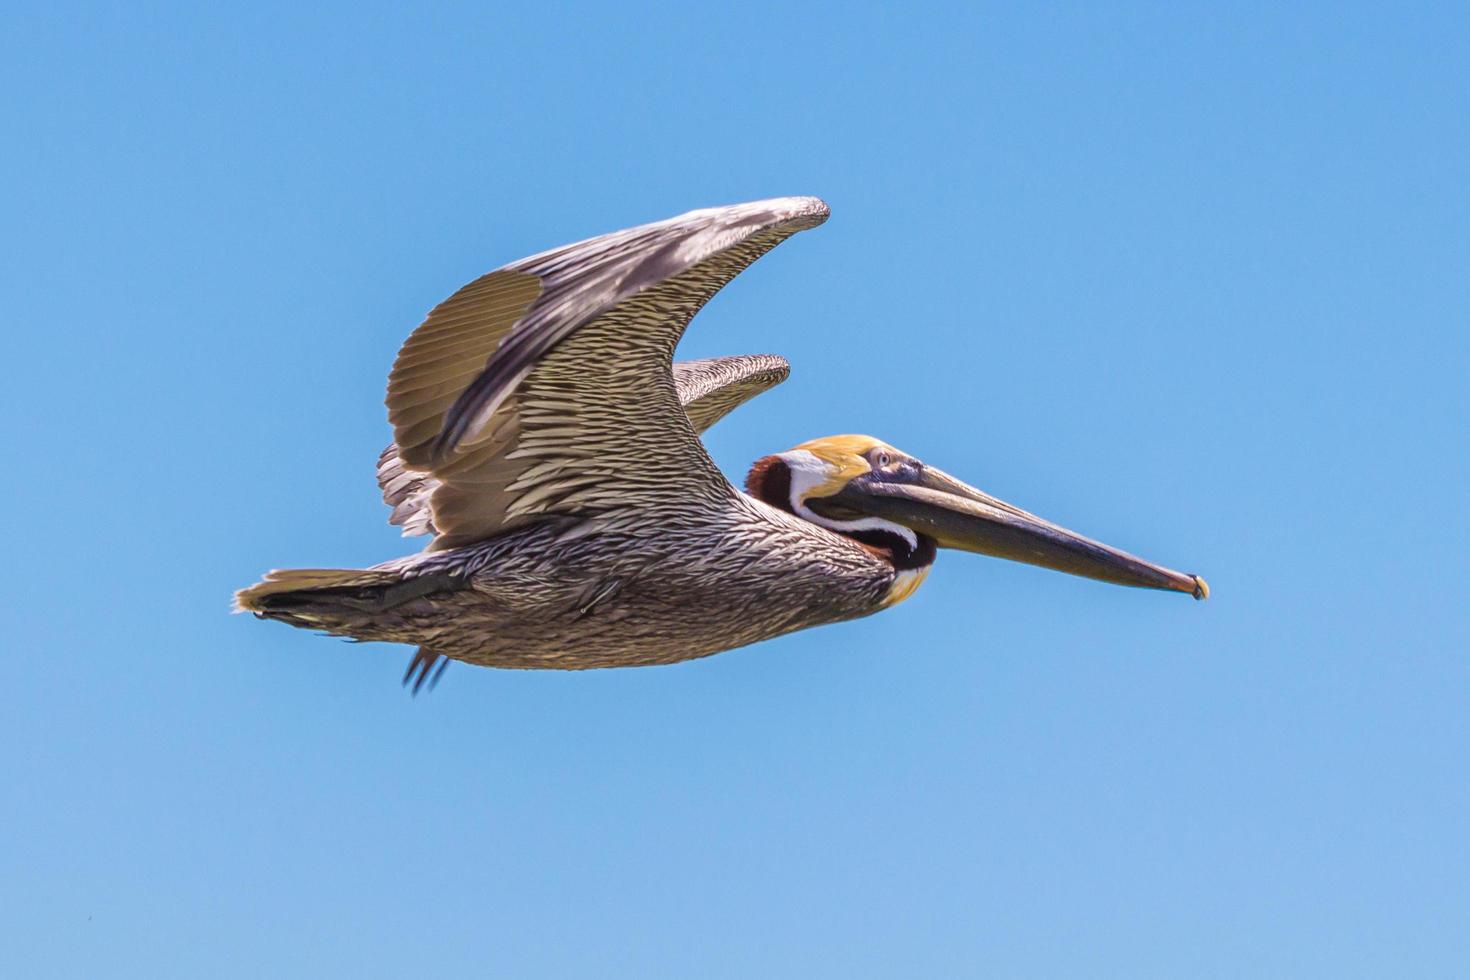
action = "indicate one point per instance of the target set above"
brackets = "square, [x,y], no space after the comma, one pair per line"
[958,516]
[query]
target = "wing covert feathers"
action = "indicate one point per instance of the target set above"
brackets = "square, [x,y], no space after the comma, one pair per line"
[709,389]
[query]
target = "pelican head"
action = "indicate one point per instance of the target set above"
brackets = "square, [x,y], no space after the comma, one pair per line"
[893,504]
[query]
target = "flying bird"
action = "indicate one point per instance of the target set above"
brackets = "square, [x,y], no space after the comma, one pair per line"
[549,445]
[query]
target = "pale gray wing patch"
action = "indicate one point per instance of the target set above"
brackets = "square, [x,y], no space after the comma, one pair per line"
[709,389]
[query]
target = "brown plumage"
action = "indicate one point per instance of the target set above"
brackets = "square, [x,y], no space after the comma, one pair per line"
[546,440]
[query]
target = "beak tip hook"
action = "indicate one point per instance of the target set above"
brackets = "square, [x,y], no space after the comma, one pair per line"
[1201,588]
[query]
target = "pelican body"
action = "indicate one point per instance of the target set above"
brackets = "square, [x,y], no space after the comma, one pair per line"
[550,447]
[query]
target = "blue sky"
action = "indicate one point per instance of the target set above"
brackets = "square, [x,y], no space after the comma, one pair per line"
[1187,279]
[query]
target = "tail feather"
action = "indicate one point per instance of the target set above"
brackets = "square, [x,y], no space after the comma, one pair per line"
[361,603]
[286,587]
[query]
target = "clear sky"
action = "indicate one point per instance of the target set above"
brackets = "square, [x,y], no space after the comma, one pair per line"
[1188,280]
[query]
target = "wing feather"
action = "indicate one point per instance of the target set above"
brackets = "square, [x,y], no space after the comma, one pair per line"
[709,389]
[547,387]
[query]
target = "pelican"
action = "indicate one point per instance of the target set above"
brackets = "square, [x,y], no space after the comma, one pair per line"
[548,443]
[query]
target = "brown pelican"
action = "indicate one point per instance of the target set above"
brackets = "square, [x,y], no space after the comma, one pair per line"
[547,441]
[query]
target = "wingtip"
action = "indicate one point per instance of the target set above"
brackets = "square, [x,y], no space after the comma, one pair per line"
[813,209]
[803,212]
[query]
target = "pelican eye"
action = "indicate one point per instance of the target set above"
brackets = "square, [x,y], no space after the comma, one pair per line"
[895,468]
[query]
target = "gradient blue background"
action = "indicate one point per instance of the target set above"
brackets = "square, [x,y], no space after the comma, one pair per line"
[1189,280]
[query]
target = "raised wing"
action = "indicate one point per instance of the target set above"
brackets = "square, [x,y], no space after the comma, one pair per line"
[708,390]
[547,387]
[712,388]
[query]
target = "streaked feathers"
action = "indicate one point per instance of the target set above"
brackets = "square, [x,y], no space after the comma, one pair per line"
[708,390]
[565,359]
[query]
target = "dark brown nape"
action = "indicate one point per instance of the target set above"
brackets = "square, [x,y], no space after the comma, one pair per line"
[769,481]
